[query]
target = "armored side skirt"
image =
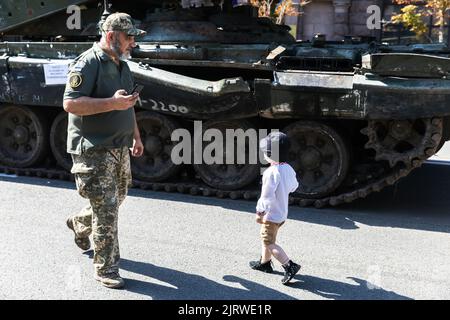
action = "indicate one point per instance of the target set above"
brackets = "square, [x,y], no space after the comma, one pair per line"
[292,94]
[352,96]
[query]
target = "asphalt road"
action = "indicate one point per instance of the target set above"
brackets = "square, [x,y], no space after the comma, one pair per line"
[391,245]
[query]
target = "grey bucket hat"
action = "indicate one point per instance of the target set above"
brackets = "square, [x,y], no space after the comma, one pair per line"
[120,21]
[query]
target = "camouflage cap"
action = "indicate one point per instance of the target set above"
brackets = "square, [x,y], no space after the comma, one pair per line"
[120,21]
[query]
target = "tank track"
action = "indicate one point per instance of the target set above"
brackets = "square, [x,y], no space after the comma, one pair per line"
[360,189]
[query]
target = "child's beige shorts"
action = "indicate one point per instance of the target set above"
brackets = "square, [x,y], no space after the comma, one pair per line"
[269,232]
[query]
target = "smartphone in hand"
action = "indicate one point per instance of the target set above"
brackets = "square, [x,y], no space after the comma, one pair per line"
[137,89]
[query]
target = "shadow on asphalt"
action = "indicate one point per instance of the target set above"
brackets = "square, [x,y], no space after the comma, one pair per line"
[335,290]
[182,286]
[332,289]
[420,201]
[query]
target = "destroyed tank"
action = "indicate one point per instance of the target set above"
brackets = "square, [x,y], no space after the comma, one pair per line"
[359,115]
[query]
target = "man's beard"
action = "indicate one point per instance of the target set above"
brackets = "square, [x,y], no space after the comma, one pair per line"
[115,47]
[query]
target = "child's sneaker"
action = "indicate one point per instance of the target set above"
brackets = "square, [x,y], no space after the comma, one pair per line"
[264,267]
[290,271]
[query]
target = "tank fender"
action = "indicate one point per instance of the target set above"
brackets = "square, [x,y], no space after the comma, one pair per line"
[179,95]
[403,98]
[30,86]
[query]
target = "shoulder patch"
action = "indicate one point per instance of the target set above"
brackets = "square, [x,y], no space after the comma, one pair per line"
[75,79]
[78,66]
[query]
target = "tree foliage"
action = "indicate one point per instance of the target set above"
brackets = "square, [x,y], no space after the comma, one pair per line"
[414,12]
[278,10]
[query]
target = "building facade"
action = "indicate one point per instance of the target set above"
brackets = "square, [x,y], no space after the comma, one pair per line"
[336,19]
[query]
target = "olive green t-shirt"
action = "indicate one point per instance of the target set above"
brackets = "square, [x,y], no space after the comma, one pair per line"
[93,74]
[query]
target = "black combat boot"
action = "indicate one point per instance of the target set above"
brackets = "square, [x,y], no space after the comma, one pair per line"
[290,271]
[264,267]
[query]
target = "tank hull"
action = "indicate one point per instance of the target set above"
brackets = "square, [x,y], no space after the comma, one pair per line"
[360,115]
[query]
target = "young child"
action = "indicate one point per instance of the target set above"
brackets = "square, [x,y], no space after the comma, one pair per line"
[272,208]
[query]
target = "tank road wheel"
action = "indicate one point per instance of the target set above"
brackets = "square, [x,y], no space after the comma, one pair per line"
[155,164]
[58,141]
[403,140]
[23,136]
[230,176]
[320,157]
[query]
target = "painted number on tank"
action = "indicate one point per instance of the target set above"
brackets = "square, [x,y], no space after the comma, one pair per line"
[160,106]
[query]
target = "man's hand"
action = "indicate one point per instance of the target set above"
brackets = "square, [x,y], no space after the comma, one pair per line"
[138,148]
[259,217]
[123,101]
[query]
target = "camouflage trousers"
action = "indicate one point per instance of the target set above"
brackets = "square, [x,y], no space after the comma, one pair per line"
[102,176]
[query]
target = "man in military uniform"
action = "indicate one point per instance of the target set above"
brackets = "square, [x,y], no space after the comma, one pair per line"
[102,127]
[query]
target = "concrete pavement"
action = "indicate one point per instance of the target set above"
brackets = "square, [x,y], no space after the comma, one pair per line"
[392,245]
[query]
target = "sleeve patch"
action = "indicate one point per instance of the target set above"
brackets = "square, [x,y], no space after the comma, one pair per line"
[75,80]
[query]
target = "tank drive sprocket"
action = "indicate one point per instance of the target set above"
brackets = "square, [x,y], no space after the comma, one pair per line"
[403,141]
